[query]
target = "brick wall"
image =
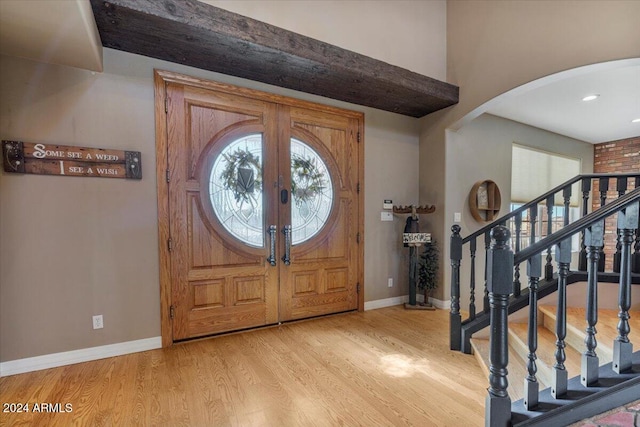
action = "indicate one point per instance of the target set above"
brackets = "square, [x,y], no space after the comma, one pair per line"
[614,157]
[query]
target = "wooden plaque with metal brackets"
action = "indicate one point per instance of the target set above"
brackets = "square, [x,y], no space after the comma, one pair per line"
[51,159]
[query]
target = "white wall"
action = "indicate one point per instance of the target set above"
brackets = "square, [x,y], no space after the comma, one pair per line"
[407,33]
[496,46]
[74,247]
[484,148]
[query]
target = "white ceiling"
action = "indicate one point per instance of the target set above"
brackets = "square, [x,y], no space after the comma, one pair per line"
[64,32]
[557,106]
[60,32]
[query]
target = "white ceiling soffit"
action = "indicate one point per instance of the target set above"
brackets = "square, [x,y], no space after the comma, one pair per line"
[60,32]
[555,104]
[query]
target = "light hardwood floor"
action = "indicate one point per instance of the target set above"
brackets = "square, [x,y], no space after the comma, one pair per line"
[383,367]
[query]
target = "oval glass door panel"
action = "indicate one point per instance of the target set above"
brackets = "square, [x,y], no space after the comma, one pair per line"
[311,192]
[235,189]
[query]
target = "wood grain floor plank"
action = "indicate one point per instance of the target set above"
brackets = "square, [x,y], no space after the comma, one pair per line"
[386,367]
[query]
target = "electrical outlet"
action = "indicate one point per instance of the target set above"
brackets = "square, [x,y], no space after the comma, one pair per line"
[390,282]
[97,322]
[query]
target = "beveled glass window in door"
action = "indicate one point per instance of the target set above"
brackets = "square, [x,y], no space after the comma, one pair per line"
[311,192]
[235,189]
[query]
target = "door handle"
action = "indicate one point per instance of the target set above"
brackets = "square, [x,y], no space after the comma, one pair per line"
[284,196]
[287,244]
[272,245]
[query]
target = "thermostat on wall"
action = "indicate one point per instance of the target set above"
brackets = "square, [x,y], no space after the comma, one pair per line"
[387,204]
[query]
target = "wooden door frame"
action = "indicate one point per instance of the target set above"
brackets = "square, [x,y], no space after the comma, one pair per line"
[161,79]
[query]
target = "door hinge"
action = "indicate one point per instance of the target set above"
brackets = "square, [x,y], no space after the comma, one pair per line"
[172,312]
[358,237]
[358,136]
[167,175]
[170,244]
[358,287]
[166,105]
[358,188]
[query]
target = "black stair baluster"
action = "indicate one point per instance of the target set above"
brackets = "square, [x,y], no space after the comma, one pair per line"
[472,296]
[559,374]
[531,385]
[621,186]
[566,195]
[487,243]
[622,347]
[455,321]
[500,283]
[548,268]
[594,238]
[517,286]
[635,261]
[603,187]
[533,216]
[586,190]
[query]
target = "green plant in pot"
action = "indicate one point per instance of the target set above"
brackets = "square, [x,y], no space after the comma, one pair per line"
[428,270]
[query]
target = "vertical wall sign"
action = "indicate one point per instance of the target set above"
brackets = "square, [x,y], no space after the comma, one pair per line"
[49,159]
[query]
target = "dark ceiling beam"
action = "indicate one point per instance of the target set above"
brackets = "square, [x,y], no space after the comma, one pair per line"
[193,33]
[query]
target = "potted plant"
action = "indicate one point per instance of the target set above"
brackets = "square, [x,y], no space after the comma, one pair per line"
[428,270]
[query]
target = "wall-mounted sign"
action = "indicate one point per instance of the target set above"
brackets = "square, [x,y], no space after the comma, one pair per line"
[50,159]
[416,239]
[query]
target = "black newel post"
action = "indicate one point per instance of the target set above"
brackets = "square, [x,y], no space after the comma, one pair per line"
[622,347]
[594,239]
[560,375]
[500,283]
[455,321]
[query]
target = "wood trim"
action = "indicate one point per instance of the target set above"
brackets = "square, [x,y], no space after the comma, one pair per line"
[173,77]
[197,34]
[163,209]
[361,213]
[161,79]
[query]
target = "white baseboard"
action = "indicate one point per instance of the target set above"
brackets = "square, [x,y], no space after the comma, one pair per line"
[440,304]
[47,361]
[388,302]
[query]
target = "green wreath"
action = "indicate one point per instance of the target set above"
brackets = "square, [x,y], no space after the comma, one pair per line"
[306,180]
[242,174]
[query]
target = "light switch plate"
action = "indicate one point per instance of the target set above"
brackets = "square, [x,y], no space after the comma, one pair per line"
[457,217]
[386,216]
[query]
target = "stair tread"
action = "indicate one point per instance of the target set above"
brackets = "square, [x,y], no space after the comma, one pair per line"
[517,368]
[546,349]
[606,327]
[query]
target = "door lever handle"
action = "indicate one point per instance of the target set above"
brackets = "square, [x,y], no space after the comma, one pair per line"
[287,244]
[284,196]
[272,245]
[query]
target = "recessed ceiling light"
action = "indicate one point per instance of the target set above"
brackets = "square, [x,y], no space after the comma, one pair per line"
[636,120]
[590,97]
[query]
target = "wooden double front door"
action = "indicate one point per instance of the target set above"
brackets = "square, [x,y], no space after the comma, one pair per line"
[263,212]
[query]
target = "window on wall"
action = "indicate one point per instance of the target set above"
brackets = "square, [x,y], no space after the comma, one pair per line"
[535,172]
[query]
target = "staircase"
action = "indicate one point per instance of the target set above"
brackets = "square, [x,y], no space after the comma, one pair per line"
[518,349]
[555,360]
